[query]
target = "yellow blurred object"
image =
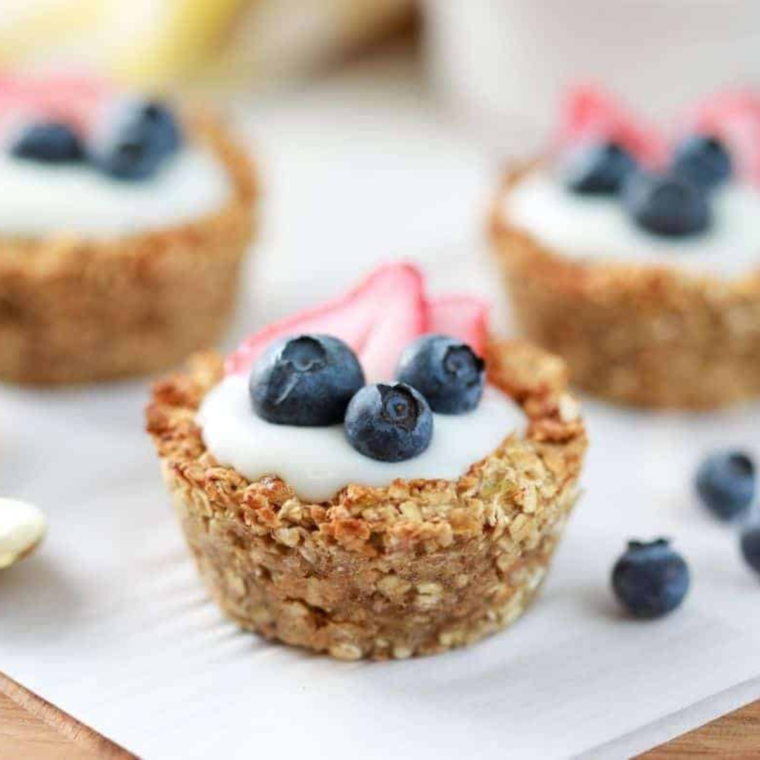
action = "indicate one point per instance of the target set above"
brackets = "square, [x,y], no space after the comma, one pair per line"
[43,24]
[190,32]
[157,43]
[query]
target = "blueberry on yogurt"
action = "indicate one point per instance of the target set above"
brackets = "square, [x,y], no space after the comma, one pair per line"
[650,579]
[598,169]
[667,205]
[159,119]
[134,139]
[445,371]
[48,142]
[305,380]
[389,422]
[702,160]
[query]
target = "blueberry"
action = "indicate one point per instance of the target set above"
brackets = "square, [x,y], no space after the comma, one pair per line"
[134,140]
[598,169]
[750,545]
[306,381]
[666,205]
[50,142]
[726,484]
[389,422]
[650,579]
[445,371]
[703,160]
[158,117]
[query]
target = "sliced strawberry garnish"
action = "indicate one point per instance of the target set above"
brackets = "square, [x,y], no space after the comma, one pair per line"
[734,117]
[460,317]
[75,99]
[68,84]
[590,114]
[402,316]
[378,319]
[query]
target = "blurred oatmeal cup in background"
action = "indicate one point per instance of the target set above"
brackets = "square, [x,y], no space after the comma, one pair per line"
[501,66]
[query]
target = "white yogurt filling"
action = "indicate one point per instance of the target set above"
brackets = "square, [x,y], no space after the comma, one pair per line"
[42,199]
[586,227]
[318,462]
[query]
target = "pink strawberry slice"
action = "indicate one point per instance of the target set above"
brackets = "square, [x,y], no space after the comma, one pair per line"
[593,114]
[67,84]
[72,98]
[733,116]
[460,317]
[378,319]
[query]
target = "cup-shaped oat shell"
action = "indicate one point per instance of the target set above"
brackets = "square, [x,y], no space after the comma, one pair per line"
[414,568]
[77,309]
[645,335]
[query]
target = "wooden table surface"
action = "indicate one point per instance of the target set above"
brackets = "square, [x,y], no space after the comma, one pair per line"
[736,735]
[33,729]
[30,727]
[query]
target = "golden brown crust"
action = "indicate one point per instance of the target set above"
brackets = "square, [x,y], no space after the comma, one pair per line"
[414,568]
[646,335]
[75,309]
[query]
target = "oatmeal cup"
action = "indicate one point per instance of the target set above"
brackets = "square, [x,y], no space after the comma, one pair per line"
[337,552]
[121,234]
[647,284]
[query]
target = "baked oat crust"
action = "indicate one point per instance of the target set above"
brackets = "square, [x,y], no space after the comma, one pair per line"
[415,568]
[74,309]
[645,335]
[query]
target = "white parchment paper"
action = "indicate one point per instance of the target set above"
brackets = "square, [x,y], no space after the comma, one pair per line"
[110,621]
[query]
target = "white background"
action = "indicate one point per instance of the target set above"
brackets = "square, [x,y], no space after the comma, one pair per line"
[109,620]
